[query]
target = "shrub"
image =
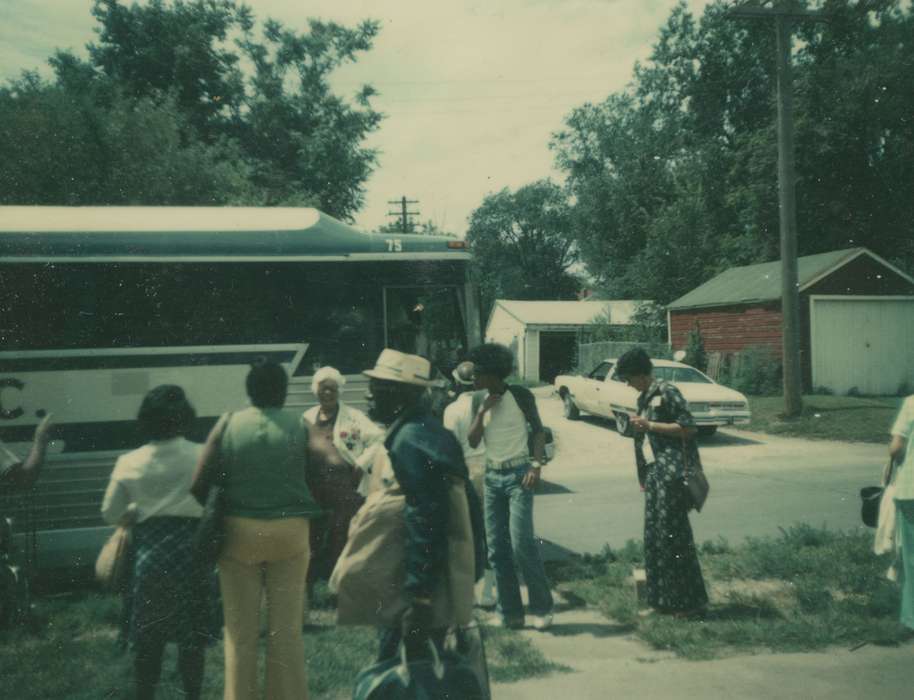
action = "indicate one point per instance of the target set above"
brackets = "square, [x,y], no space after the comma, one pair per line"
[812,597]
[756,370]
[904,389]
[695,354]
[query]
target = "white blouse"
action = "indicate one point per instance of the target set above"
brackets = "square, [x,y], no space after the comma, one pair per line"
[155,479]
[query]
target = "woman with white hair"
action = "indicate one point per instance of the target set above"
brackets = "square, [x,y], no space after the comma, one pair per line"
[341,445]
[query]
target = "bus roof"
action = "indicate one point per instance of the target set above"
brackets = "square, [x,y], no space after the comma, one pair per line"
[201,234]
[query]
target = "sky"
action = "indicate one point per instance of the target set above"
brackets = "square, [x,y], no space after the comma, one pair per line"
[472,90]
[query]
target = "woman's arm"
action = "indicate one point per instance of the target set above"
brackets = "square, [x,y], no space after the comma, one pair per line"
[203,477]
[897,447]
[31,467]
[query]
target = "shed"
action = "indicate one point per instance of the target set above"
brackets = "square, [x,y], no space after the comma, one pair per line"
[543,335]
[856,318]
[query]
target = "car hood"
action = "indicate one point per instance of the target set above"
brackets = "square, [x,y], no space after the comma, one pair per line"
[708,392]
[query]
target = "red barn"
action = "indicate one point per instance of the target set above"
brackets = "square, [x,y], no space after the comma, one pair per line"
[856,318]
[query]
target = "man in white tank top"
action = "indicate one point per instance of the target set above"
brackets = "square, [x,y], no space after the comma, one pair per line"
[508,421]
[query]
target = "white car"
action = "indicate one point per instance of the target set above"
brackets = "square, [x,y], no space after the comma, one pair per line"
[602,393]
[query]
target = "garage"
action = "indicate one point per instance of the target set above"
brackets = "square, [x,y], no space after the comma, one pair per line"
[856,319]
[875,358]
[544,335]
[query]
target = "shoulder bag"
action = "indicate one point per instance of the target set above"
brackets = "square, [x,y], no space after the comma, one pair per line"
[871,497]
[111,567]
[694,480]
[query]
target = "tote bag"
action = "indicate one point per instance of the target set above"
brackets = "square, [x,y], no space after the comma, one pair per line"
[370,574]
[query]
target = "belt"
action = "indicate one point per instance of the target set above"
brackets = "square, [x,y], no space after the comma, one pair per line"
[507,464]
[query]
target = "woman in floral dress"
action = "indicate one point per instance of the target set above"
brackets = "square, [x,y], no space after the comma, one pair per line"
[664,434]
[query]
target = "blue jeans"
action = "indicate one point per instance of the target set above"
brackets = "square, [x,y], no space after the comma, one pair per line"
[509,532]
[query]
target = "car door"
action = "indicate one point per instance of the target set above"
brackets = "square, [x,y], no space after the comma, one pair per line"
[588,397]
[617,396]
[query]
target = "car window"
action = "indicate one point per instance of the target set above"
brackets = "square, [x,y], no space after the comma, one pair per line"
[600,371]
[686,375]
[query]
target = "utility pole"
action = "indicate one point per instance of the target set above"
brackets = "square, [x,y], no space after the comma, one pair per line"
[784,14]
[404,214]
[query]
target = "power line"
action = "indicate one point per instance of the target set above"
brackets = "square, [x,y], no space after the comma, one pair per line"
[406,224]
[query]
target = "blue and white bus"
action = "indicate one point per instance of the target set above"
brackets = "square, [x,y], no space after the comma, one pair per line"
[100,304]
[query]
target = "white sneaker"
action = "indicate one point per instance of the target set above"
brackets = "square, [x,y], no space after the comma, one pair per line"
[542,622]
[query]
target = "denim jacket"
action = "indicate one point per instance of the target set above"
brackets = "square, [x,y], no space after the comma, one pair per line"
[423,454]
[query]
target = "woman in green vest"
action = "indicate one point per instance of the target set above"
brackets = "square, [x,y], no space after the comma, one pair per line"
[264,452]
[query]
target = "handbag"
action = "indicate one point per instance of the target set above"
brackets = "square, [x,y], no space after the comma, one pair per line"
[209,537]
[370,573]
[441,675]
[112,565]
[871,497]
[694,480]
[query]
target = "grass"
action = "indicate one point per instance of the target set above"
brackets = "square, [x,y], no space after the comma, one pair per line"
[807,589]
[849,418]
[69,651]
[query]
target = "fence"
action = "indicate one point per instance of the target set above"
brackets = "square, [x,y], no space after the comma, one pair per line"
[591,354]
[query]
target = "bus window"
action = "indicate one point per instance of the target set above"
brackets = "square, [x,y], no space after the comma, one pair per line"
[427,321]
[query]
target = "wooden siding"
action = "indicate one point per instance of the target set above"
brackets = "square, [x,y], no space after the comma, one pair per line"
[729,328]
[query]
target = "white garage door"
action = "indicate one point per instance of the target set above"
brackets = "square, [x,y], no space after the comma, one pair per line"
[865,343]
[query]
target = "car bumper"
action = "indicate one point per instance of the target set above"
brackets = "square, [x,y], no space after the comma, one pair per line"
[722,419]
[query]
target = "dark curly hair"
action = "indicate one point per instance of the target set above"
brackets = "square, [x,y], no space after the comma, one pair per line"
[267,384]
[492,358]
[165,413]
[634,363]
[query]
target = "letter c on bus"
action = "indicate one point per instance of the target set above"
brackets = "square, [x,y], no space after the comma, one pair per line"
[10,413]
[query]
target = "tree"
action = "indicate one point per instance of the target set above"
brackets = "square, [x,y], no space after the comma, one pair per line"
[60,146]
[675,178]
[522,245]
[259,109]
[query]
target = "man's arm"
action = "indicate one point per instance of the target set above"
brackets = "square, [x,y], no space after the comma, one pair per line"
[425,486]
[478,426]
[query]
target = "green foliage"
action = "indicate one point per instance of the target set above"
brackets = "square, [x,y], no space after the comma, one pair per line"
[826,417]
[675,177]
[695,354]
[79,630]
[522,247]
[180,103]
[755,370]
[808,588]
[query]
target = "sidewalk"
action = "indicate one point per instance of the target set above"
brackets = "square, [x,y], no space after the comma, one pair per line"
[606,661]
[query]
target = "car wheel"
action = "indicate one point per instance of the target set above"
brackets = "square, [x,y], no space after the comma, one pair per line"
[707,430]
[572,412]
[622,422]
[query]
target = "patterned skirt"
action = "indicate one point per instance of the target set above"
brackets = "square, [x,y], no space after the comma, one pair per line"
[674,580]
[171,591]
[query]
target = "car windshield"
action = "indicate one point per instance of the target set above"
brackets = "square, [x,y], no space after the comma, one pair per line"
[681,374]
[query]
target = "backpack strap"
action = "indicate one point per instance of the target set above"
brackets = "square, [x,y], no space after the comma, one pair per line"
[526,402]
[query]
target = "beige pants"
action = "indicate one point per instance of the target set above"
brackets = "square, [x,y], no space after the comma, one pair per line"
[264,557]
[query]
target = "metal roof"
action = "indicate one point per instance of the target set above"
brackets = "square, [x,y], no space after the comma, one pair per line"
[200,234]
[762,282]
[568,313]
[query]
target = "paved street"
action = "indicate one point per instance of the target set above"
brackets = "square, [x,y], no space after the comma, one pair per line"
[758,483]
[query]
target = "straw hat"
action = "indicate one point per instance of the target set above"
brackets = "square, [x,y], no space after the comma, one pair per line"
[396,366]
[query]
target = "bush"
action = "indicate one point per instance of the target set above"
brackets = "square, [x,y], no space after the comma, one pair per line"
[695,354]
[755,371]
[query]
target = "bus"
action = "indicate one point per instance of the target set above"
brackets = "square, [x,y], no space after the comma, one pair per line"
[100,304]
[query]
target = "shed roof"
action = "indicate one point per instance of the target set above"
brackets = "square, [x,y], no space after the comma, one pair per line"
[762,282]
[569,313]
